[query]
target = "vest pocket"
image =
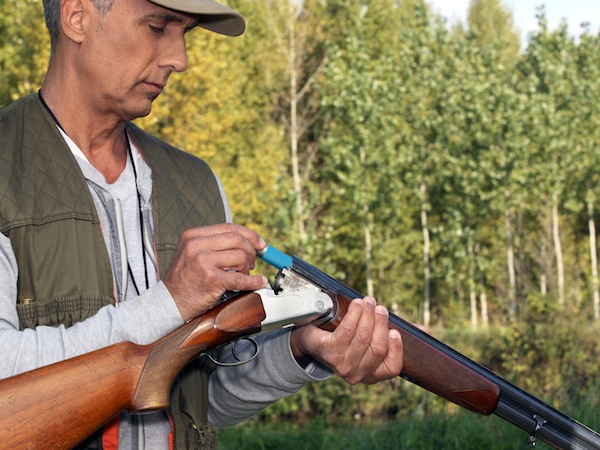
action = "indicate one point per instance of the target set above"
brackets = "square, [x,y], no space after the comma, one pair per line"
[61,310]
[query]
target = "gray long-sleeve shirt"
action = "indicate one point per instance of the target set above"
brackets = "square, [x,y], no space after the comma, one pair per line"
[141,317]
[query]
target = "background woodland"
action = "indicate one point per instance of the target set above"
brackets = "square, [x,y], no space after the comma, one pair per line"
[445,168]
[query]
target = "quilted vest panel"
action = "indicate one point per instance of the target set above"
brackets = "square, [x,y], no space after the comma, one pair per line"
[48,214]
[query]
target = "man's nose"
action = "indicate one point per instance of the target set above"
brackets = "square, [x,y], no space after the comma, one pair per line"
[174,55]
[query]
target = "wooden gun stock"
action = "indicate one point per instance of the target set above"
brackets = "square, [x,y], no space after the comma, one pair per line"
[59,405]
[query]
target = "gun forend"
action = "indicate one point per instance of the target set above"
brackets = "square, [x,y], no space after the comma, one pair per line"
[425,362]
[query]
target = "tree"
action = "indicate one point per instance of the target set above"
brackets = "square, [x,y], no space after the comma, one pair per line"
[24,48]
[549,71]
[492,32]
[586,149]
[492,27]
[359,144]
[424,69]
[297,29]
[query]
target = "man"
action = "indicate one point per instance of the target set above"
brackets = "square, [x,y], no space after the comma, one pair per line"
[109,234]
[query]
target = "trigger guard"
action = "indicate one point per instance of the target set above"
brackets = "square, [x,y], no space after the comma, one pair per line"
[233,352]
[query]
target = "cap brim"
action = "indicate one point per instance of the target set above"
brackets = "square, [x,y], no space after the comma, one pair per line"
[212,15]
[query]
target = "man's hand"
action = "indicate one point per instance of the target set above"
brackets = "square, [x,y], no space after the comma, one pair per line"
[209,261]
[362,349]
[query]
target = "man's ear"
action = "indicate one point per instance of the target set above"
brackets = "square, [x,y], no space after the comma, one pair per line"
[72,19]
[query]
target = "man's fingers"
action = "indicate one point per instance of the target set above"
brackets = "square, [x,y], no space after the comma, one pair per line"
[378,345]
[362,349]
[221,239]
[373,351]
[226,260]
[360,342]
[392,364]
[224,231]
[395,356]
[236,281]
[209,261]
[346,330]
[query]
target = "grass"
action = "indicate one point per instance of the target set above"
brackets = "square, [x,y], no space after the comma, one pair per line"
[462,431]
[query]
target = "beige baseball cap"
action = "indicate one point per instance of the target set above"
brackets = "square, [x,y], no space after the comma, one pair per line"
[213,16]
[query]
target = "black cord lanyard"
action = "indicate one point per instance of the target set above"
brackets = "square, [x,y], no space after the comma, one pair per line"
[45,105]
[141,218]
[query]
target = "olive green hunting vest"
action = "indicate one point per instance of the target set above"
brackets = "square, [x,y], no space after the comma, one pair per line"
[49,216]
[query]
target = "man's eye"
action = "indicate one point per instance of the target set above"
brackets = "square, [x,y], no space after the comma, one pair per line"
[157,30]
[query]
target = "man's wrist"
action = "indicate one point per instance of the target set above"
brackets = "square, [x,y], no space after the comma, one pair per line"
[297,351]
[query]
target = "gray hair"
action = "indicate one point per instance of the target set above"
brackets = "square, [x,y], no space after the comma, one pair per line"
[52,14]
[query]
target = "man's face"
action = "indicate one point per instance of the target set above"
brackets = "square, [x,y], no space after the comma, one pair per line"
[129,55]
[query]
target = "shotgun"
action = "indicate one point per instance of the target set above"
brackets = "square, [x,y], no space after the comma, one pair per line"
[59,405]
[442,370]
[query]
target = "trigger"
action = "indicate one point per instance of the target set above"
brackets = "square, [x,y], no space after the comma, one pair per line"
[239,360]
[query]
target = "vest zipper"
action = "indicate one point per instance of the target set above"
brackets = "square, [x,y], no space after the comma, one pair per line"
[173,430]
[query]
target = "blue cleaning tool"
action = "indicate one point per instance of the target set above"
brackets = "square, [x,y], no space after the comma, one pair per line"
[275,257]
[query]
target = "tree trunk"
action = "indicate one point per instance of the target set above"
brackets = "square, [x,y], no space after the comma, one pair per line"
[594,260]
[294,127]
[472,292]
[560,271]
[510,259]
[368,239]
[543,277]
[483,303]
[426,250]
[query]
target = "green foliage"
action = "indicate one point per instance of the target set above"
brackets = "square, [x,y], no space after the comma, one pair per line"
[491,25]
[552,354]
[24,48]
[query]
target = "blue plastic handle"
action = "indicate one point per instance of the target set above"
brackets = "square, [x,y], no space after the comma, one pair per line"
[275,257]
